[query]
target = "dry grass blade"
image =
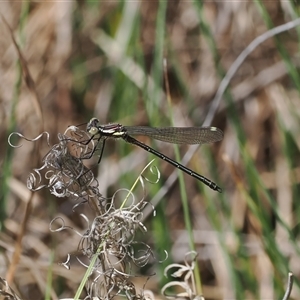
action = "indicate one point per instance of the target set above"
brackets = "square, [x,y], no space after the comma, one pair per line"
[104,59]
[27,77]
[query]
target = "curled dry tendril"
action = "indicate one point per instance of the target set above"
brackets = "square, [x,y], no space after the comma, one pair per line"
[187,285]
[111,236]
[27,139]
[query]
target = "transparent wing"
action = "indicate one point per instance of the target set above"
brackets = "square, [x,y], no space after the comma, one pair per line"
[179,135]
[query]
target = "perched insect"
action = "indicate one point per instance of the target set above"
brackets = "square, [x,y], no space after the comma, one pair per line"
[175,135]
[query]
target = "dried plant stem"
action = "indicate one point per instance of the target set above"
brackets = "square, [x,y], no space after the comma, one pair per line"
[289,287]
[31,86]
[239,61]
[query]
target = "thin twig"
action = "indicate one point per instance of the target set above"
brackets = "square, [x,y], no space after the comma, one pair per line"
[289,287]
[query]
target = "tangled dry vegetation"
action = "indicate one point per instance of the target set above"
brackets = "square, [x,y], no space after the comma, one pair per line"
[63,62]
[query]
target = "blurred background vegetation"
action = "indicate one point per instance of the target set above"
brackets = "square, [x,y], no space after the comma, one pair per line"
[104,59]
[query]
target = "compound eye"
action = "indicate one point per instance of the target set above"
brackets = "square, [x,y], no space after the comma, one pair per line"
[93,130]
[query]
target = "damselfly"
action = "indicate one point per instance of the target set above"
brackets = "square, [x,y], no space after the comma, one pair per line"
[175,135]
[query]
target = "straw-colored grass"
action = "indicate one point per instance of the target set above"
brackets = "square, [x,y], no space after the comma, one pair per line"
[63,62]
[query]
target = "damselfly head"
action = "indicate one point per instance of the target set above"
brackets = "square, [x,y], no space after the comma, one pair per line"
[92,126]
